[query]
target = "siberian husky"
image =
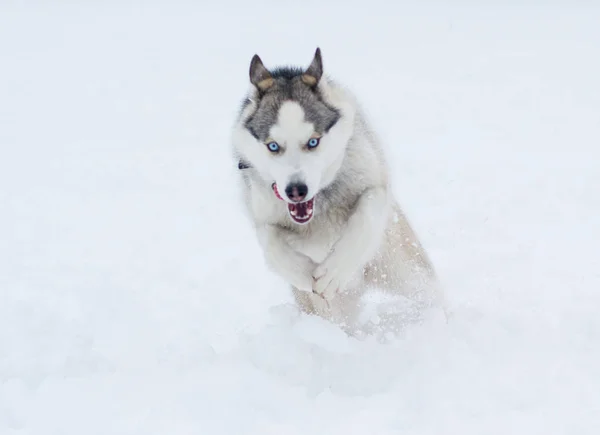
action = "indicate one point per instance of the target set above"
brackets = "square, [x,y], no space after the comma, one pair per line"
[317,190]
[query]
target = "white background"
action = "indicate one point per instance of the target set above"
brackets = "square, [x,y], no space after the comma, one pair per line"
[133,295]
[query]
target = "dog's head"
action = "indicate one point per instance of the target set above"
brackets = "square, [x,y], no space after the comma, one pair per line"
[291,134]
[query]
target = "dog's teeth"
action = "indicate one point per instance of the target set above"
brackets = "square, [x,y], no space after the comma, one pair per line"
[293,212]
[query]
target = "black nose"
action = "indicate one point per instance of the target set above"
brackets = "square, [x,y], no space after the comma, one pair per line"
[296,192]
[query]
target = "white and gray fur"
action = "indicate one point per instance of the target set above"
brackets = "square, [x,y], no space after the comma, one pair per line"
[359,237]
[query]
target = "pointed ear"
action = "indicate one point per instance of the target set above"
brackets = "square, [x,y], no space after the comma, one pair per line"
[259,75]
[314,72]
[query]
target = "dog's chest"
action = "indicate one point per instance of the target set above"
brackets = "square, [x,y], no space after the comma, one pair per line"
[315,239]
[315,243]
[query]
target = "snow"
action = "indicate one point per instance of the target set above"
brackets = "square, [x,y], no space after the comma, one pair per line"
[133,294]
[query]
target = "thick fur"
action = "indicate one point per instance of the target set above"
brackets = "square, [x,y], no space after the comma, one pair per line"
[359,238]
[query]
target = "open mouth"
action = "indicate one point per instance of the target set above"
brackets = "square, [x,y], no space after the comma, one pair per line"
[301,212]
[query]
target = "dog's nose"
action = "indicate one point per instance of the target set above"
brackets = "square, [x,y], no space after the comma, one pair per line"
[296,192]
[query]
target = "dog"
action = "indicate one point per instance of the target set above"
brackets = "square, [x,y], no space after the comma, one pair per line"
[316,187]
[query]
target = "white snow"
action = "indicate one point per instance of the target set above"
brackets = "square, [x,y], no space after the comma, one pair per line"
[133,295]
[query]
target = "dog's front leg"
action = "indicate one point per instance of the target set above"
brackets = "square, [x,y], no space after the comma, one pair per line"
[292,266]
[357,245]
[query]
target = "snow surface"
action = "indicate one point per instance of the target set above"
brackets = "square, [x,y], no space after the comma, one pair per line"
[133,295]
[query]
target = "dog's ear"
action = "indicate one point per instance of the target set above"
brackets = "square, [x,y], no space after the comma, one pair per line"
[314,72]
[259,75]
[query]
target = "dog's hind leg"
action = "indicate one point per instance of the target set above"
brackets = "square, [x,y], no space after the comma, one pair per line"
[403,267]
[304,301]
[343,310]
[311,303]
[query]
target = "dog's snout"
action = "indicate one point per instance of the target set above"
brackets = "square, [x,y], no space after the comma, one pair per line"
[296,192]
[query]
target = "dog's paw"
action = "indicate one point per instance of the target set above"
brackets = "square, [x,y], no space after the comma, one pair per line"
[300,276]
[320,304]
[327,280]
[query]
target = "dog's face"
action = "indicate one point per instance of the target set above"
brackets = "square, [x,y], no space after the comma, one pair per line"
[290,135]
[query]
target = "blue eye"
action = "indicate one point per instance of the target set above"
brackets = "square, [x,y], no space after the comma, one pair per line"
[273,146]
[313,142]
